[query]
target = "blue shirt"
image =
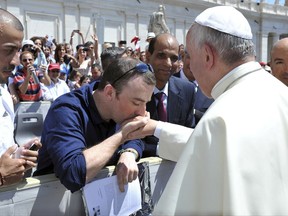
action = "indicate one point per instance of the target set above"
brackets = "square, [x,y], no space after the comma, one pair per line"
[73,124]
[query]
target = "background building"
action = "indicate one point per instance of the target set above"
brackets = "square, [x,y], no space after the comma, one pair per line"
[115,20]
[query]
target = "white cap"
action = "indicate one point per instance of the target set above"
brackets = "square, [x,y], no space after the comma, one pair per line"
[226,19]
[29,42]
[150,35]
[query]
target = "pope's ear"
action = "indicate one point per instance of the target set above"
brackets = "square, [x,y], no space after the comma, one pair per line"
[209,54]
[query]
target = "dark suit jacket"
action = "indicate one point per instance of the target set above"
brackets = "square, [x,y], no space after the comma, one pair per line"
[202,103]
[181,96]
[177,74]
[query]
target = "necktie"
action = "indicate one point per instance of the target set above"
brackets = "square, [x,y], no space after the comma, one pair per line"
[162,113]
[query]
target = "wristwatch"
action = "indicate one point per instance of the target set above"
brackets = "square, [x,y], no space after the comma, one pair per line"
[129,150]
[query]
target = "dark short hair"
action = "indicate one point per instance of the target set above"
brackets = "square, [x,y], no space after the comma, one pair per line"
[88,44]
[110,54]
[122,42]
[118,67]
[151,45]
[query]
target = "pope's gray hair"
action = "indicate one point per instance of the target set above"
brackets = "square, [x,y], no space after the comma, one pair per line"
[231,49]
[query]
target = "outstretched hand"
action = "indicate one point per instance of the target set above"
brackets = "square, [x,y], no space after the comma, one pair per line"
[142,132]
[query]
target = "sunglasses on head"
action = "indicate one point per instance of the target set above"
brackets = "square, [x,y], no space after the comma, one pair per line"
[140,67]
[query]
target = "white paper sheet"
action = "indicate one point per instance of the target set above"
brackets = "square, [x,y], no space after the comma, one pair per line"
[103,197]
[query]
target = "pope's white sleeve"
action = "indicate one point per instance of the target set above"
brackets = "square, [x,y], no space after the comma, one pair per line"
[172,140]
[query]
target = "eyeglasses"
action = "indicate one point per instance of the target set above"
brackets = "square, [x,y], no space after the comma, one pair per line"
[140,67]
[27,60]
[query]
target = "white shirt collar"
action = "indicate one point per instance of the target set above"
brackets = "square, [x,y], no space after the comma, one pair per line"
[238,72]
[165,89]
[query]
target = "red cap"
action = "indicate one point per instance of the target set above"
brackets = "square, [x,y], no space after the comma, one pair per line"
[53,66]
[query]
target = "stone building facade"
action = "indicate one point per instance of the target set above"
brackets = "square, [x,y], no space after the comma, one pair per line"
[115,20]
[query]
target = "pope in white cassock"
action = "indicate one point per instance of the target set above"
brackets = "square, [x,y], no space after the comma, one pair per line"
[235,162]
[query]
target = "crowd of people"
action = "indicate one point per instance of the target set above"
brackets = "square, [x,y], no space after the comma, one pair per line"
[209,106]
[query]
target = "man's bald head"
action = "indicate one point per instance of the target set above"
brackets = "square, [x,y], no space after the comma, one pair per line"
[11,36]
[8,18]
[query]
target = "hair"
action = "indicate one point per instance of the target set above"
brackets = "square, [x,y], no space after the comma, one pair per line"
[231,49]
[66,45]
[83,78]
[109,55]
[7,17]
[117,68]
[42,39]
[24,53]
[97,65]
[151,45]
[88,44]
[56,55]
[73,74]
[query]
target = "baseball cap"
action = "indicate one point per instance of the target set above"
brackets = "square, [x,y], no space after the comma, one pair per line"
[150,35]
[27,42]
[53,66]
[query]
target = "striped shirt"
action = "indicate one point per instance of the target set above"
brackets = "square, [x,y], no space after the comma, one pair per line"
[34,92]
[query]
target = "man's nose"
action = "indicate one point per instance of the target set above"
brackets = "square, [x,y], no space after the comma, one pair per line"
[16,60]
[141,110]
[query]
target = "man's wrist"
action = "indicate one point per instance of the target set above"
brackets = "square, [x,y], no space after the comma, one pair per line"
[135,153]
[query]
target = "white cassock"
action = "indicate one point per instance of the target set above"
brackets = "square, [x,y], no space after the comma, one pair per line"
[6,120]
[236,160]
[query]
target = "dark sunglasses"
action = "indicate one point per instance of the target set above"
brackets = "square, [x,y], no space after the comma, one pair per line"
[27,46]
[27,60]
[140,67]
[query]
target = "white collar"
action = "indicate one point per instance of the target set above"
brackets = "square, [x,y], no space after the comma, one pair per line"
[223,84]
[165,89]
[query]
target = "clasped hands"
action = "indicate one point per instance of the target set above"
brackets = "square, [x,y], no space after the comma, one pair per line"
[134,128]
[138,127]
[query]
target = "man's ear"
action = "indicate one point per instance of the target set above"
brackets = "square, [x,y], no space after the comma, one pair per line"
[109,91]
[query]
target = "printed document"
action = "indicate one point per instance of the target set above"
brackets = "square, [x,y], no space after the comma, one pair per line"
[103,197]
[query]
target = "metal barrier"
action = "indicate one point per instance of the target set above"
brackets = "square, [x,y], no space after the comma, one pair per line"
[45,195]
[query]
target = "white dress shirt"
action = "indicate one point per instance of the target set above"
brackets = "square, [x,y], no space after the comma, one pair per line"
[6,120]
[52,92]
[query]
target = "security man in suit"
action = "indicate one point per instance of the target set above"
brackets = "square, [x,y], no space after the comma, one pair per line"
[178,95]
[202,102]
